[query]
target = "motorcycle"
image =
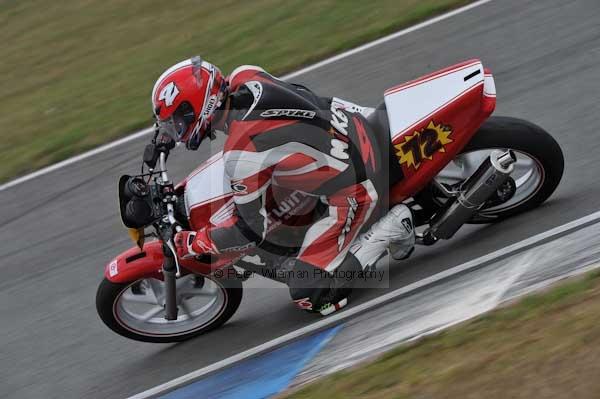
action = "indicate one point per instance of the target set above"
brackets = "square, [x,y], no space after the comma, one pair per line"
[457,163]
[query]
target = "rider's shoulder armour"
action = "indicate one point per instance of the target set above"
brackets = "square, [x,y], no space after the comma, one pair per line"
[257,95]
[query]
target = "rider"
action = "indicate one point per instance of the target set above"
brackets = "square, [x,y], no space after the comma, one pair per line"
[284,135]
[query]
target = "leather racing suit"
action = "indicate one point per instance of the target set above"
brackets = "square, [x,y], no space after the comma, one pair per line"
[283,134]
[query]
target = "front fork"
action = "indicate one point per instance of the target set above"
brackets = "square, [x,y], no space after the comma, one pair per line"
[170,276]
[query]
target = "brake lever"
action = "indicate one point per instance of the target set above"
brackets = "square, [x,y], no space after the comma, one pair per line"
[174,252]
[165,143]
[175,227]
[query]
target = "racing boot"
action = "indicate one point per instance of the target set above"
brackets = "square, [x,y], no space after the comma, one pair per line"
[394,232]
[336,297]
[319,291]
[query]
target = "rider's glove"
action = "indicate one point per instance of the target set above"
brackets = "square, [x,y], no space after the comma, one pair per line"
[194,243]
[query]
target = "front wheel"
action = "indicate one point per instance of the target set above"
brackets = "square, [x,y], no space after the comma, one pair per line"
[136,309]
[538,170]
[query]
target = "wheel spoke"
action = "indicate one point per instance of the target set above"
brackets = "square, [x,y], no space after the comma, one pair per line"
[145,298]
[186,309]
[195,292]
[524,164]
[151,313]
[157,288]
[182,281]
[523,179]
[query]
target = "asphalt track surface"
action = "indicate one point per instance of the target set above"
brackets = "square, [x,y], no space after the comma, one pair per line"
[60,229]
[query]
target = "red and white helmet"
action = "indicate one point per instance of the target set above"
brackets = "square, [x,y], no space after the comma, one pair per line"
[185,97]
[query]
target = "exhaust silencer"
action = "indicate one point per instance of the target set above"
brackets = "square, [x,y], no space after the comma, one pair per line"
[490,175]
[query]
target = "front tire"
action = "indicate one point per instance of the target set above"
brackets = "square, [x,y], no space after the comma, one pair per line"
[116,305]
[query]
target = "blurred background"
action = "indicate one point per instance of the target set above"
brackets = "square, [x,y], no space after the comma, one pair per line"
[76,74]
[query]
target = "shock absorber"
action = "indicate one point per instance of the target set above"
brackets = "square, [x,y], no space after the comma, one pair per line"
[475,191]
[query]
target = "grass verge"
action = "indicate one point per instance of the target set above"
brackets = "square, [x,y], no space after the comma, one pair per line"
[79,73]
[545,346]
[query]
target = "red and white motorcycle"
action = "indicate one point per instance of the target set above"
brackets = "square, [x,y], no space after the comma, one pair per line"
[459,165]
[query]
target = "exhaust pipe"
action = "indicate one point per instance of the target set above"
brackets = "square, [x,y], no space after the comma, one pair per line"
[490,175]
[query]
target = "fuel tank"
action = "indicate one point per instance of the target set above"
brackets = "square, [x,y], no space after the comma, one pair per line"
[209,200]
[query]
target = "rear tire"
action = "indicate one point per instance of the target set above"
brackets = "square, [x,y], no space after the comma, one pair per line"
[524,137]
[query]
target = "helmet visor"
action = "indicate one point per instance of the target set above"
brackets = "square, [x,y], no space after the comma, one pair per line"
[178,124]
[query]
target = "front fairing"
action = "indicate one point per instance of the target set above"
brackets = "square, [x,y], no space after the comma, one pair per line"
[135,264]
[208,195]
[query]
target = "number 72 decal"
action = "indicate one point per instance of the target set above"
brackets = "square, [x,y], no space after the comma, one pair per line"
[423,144]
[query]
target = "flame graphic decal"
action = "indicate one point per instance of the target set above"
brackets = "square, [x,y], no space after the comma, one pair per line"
[423,144]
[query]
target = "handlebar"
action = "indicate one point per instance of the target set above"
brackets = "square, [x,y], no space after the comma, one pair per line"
[170,211]
[165,178]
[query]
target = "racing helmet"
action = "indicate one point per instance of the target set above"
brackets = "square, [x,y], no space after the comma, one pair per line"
[184,100]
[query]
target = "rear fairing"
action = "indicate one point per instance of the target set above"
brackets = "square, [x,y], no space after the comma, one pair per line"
[432,118]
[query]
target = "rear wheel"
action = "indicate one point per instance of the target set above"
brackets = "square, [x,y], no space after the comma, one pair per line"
[136,309]
[538,170]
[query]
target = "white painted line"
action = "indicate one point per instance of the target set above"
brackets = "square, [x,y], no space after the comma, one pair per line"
[384,39]
[336,318]
[77,158]
[291,75]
